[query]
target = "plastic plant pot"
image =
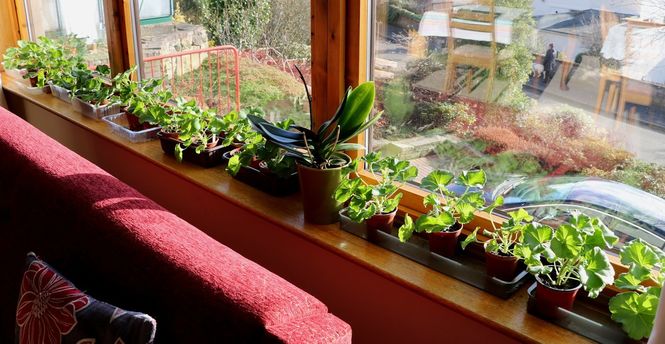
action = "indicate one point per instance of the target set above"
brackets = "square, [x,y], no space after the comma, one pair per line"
[445,243]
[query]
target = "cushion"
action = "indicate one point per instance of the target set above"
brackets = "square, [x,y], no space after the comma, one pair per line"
[51,310]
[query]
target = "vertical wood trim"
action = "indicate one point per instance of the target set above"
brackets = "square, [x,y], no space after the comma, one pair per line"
[11,27]
[328,57]
[116,36]
[22,20]
[129,32]
[355,71]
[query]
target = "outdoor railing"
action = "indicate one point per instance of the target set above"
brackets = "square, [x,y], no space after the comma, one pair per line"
[211,75]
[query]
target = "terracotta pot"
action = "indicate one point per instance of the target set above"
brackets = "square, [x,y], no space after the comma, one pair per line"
[501,267]
[33,81]
[549,299]
[133,121]
[318,188]
[173,136]
[381,222]
[445,243]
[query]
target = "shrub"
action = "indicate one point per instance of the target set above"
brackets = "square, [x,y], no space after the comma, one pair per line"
[417,70]
[642,175]
[240,23]
[397,102]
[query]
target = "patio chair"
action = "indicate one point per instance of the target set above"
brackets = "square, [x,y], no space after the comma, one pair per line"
[608,76]
[633,91]
[479,19]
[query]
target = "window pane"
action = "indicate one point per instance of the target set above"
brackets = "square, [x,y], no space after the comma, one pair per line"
[272,37]
[560,102]
[60,18]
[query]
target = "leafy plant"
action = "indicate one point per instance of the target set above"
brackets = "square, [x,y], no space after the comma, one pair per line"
[203,129]
[322,148]
[272,156]
[366,200]
[636,308]
[40,58]
[503,240]
[94,88]
[446,207]
[146,100]
[574,253]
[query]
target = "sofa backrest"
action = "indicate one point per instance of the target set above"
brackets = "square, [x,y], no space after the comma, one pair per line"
[125,249]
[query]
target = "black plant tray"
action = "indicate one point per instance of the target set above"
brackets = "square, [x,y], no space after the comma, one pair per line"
[589,318]
[467,266]
[266,182]
[207,158]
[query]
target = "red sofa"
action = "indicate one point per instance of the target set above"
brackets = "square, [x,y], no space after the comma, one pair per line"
[123,248]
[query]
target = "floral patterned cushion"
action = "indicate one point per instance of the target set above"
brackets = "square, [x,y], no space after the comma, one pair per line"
[51,310]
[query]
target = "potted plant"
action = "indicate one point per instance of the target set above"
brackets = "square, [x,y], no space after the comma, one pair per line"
[500,258]
[139,100]
[567,259]
[448,210]
[34,59]
[374,204]
[319,151]
[264,165]
[92,94]
[200,136]
[636,308]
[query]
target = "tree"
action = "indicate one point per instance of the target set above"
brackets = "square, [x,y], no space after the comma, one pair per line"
[240,23]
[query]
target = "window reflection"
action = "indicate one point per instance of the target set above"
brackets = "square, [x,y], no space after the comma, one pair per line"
[534,92]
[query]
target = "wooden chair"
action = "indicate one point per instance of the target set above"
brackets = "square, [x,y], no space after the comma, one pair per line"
[479,56]
[632,91]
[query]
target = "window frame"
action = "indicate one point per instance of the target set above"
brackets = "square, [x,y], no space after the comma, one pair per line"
[340,57]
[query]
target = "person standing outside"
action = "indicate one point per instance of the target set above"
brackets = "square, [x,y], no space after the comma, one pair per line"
[549,63]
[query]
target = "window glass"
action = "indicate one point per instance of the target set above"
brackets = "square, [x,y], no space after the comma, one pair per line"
[560,102]
[154,8]
[191,52]
[61,18]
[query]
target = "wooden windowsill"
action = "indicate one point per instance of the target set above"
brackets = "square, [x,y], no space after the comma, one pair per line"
[507,316]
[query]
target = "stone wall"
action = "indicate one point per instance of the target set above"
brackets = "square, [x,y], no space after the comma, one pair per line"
[168,38]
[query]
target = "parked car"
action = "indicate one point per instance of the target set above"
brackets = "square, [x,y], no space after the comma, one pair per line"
[630,212]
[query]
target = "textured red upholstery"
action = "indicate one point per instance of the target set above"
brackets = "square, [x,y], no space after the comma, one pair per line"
[121,247]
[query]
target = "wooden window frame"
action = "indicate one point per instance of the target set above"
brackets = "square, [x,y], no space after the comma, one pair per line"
[340,34]
[355,71]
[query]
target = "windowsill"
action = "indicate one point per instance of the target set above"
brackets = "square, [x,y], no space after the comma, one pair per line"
[509,316]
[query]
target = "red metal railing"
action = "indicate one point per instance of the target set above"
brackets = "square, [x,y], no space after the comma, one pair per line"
[211,75]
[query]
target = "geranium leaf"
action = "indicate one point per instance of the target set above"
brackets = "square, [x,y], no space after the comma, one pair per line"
[437,180]
[597,273]
[406,230]
[635,311]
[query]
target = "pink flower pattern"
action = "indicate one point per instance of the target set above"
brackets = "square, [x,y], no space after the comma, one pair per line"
[47,307]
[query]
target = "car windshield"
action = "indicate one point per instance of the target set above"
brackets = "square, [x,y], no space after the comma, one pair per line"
[630,212]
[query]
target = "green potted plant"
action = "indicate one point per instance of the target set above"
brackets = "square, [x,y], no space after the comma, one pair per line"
[567,259]
[264,165]
[93,93]
[374,204]
[448,210]
[636,308]
[34,59]
[139,100]
[200,136]
[500,258]
[319,152]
